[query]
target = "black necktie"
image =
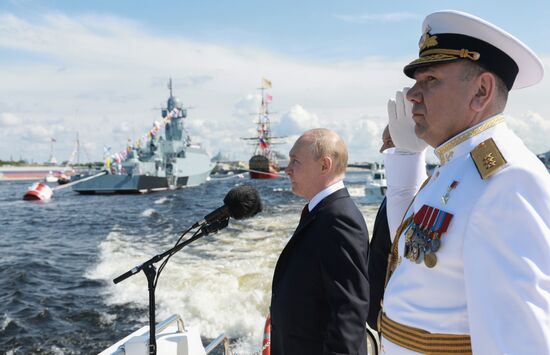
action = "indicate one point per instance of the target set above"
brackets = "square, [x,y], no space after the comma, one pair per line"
[305,212]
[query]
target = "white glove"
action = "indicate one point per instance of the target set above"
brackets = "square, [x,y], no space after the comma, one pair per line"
[401,124]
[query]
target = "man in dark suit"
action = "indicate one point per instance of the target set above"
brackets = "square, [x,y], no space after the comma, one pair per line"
[320,291]
[380,246]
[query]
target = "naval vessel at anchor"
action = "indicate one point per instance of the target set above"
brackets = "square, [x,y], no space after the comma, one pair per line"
[168,162]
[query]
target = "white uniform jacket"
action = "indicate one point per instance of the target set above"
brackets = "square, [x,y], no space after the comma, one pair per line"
[492,277]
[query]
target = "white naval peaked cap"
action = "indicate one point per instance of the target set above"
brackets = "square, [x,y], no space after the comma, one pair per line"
[450,35]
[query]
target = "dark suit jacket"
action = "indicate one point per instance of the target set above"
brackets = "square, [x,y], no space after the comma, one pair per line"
[380,246]
[320,292]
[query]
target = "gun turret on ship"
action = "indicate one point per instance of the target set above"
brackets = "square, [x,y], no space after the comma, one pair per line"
[168,162]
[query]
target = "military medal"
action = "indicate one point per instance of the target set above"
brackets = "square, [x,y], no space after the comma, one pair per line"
[408,236]
[409,233]
[452,186]
[435,244]
[430,260]
[423,235]
[414,253]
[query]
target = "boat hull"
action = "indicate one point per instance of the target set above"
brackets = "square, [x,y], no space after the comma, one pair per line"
[135,184]
[263,168]
[264,175]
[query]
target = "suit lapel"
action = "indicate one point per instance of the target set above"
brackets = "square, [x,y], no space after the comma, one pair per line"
[298,233]
[313,214]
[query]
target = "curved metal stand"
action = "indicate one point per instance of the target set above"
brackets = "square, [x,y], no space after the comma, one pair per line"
[150,272]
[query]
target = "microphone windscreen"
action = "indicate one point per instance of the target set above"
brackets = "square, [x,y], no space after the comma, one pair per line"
[243,202]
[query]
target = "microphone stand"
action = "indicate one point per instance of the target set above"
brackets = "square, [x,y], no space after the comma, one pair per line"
[150,272]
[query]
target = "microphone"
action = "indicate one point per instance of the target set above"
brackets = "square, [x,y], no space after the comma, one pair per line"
[239,203]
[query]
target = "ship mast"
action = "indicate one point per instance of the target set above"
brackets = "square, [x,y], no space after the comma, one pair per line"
[264,130]
[263,146]
[77,149]
[170,86]
[264,139]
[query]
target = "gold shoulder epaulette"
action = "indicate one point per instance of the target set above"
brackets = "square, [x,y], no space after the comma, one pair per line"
[488,158]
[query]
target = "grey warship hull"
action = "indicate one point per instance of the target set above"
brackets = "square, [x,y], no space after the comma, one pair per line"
[126,184]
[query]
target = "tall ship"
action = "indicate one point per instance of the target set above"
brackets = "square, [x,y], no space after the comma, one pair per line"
[155,162]
[263,164]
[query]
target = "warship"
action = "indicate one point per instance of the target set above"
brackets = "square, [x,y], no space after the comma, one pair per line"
[168,162]
[263,164]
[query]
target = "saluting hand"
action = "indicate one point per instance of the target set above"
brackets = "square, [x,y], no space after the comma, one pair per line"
[401,124]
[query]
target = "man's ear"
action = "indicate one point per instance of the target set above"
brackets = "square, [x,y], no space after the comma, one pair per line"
[485,90]
[326,164]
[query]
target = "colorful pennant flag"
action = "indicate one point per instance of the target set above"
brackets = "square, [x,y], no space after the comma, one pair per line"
[263,143]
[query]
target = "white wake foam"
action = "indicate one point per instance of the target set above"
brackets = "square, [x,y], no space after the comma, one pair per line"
[149,212]
[220,283]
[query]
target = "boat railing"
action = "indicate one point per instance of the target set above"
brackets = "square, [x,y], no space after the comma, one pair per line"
[222,339]
[174,318]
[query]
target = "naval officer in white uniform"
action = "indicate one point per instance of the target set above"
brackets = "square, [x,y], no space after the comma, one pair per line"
[470,263]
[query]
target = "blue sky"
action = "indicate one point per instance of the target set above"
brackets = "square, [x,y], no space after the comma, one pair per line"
[324,30]
[100,68]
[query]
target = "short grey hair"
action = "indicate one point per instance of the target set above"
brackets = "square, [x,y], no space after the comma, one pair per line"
[475,69]
[326,142]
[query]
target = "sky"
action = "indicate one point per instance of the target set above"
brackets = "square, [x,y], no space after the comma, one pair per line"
[100,69]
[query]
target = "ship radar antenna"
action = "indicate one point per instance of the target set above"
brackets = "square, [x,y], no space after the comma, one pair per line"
[170,86]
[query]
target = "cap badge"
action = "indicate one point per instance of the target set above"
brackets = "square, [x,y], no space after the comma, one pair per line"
[427,41]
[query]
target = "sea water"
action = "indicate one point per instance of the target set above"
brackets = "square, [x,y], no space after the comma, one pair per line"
[59,259]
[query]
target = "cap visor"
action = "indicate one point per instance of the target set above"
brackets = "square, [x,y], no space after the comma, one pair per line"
[427,61]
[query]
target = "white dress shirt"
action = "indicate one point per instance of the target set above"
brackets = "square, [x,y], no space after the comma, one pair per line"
[324,193]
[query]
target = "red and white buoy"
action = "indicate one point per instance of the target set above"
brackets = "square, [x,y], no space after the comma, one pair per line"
[266,345]
[42,192]
[38,191]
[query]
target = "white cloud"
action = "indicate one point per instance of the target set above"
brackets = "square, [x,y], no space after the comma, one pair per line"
[364,139]
[296,121]
[533,129]
[122,128]
[8,119]
[113,84]
[37,133]
[247,107]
